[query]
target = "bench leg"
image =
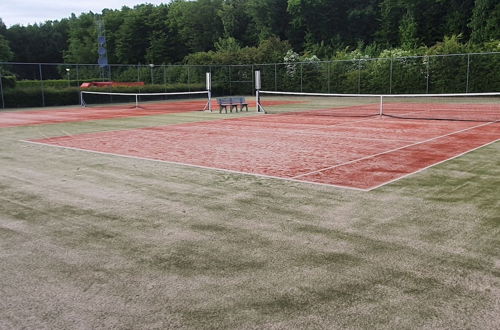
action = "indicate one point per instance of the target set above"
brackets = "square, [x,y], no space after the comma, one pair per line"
[244,105]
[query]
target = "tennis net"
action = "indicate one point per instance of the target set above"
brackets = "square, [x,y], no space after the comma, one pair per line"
[186,101]
[481,107]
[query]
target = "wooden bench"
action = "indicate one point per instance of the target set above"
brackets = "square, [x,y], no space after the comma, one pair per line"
[232,102]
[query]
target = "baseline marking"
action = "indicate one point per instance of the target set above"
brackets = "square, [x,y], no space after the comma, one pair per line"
[429,166]
[197,166]
[392,150]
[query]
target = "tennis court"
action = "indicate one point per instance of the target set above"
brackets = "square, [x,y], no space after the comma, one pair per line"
[348,144]
[106,111]
[74,114]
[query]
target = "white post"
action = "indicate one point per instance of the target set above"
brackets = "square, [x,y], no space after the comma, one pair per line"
[257,101]
[136,101]
[257,89]
[209,90]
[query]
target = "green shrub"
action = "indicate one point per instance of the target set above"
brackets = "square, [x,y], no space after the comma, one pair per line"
[55,83]
[68,96]
[33,97]
[20,97]
[8,81]
[170,88]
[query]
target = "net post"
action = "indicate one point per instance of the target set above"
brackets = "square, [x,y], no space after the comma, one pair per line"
[257,91]
[257,100]
[381,110]
[81,98]
[208,77]
[136,101]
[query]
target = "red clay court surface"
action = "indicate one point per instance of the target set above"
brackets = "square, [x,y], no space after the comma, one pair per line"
[64,115]
[358,153]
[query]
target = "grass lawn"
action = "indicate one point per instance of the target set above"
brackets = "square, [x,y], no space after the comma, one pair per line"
[99,241]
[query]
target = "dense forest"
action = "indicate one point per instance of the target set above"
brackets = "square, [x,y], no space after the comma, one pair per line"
[259,31]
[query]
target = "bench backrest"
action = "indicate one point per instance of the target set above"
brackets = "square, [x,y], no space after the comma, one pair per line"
[224,100]
[231,100]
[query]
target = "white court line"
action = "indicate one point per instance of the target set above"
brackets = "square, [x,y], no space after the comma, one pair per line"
[292,179]
[196,166]
[427,167]
[389,151]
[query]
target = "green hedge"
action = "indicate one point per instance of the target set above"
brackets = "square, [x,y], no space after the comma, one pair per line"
[8,81]
[171,88]
[62,83]
[50,96]
[56,83]
[33,97]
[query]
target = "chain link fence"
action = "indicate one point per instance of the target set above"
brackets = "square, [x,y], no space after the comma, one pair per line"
[44,84]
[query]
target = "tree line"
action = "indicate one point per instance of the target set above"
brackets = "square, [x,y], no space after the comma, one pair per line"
[258,31]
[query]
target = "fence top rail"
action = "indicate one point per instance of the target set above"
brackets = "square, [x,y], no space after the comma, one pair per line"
[253,64]
[381,95]
[112,65]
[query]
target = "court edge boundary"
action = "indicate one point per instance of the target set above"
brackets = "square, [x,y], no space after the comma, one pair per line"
[429,166]
[197,166]
[263,175]
[392,150]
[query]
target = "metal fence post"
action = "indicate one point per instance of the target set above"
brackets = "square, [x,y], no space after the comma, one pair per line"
[427,75]
[328,74]
[253,81]
[301,76]
[212,78]
[468,72]
[1,91]
[275,76]
[77,76]
[390,75]
[359,76]
[41,84]
[164,78]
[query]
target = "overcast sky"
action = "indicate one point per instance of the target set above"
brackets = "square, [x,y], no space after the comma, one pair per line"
[26,12]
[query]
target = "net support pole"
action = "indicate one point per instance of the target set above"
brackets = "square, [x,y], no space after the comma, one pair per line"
[257,92]
[208,77]
[257,100]
[136,101]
